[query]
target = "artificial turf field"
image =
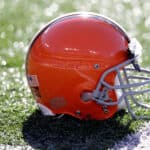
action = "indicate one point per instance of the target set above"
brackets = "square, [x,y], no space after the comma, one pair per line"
[21,123]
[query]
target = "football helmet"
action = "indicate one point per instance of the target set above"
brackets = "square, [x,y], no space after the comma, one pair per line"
[85,65]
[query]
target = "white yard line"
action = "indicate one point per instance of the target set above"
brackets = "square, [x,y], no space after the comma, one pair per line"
[137,141]
[10,147]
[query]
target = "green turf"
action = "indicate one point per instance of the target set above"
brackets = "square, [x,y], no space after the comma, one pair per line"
[20,121]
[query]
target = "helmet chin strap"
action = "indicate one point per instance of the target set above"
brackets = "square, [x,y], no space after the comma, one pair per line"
[135,51]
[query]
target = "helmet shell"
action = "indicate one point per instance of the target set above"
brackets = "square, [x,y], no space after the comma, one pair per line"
[68,56]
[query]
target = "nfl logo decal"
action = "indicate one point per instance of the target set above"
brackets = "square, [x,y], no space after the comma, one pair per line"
[34,84]
[33,80]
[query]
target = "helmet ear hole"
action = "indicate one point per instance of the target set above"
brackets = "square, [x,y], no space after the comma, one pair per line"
[86,96]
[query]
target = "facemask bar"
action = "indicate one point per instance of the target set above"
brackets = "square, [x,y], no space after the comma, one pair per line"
[102,97]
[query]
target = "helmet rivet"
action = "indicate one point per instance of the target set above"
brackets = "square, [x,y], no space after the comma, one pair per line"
[105,109]
[78,112]
[96,66]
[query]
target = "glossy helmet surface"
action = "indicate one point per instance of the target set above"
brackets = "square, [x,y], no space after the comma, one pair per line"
[73,67]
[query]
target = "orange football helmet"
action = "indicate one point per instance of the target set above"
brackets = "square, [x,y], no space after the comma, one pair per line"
[77,65]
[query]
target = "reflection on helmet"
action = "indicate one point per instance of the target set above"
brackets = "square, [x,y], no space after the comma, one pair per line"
[73,64]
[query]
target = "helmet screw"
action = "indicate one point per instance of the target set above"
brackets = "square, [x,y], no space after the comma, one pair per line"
[105,109]
[96,66]
[78,112]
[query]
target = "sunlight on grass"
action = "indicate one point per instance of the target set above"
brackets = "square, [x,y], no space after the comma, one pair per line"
[19,21]
[16,104]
